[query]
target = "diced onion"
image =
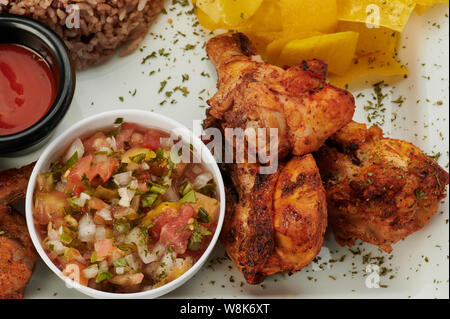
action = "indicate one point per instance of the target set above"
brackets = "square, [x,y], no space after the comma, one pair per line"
[172,195]
[100,233]
[52,234]
[112,142]
[136,237]
[91,271]
[105,213]
[126,195]
[103,266]
[133,184]
[133,261]
[81,201]
[76,147]
[60,187]
[86,229]
[165,265]
[202,180]
[123,179]
[120,270]
[56,247]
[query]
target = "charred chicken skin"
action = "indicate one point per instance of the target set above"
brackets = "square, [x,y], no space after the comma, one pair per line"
[274,223]
[379,190]
[298,102]
[17,254]
[13,184]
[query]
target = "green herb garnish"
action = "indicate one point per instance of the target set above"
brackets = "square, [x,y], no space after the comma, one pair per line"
[71,161]
[188,198]
[149,200]
[102,276]
[203,216]
[121,262]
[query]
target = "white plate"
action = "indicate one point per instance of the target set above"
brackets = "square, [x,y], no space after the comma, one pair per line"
[419,264]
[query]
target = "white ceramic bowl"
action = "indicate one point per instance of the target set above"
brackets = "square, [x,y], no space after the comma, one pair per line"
[101,121]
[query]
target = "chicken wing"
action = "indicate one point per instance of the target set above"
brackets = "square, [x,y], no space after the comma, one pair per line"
[379,190]
[253,94]
[274,223]
[17,254]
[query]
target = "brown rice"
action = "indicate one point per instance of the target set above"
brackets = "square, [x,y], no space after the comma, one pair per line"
[104,25]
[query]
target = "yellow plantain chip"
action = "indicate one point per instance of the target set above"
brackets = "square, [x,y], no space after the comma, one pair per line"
[309,15]
[275,47]
[236,12]
[372,40]
[206,21]
[378,64]
[262,39]
[231,12]
[429,2]
[420,9]
[337,50]
[392,14]
[266,19]
[212,8]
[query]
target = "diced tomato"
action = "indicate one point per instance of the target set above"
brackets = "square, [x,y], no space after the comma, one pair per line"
[74,188]
[103,169]
[79,169]
[176,232]
[96,142]
[125,134]
[74,270]
[167,216]
[49,206]
[104,248]
[152,140]
[96,203]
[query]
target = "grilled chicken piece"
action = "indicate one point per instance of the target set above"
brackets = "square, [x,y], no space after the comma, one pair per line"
[300,218]
[253,94]
[248,231]
[17,254]
[13,184]
[379,190]
[274,223]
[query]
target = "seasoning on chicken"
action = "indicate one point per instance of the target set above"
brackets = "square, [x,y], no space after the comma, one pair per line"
[13,184]
[17,254]
[274,223]
[298,102]
[379,190]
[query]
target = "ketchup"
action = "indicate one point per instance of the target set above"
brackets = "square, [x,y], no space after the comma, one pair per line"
[27,88]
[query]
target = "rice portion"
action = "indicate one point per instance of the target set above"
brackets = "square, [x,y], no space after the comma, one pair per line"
[92,29]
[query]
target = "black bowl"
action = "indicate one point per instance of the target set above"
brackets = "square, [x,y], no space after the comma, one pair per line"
[39,38]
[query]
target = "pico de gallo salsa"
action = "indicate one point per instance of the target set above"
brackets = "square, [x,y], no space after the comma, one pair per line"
[118,213]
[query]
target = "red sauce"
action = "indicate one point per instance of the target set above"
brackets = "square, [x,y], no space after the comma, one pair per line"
[27,88]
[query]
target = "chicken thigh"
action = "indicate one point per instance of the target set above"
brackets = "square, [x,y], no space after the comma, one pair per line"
[379,190]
